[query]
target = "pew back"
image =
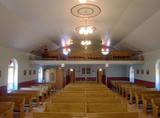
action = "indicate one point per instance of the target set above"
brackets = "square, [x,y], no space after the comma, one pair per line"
[106,107]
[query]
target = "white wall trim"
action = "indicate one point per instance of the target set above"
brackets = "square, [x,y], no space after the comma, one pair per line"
[71,62]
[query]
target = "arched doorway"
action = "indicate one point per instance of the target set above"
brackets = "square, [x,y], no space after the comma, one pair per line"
[157,73]
[50,75]
[101,77]
[131,74]
[40,75]
[12,75]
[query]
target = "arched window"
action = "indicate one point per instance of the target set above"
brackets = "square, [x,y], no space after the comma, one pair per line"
[131,74]
[47,75]
[12,75]
[40,75]
[157,70]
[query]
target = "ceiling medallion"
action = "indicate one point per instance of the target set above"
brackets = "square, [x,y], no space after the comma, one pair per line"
[85,30]
[87,10]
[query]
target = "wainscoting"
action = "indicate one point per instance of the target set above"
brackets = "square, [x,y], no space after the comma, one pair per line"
[3,89]
[145,83]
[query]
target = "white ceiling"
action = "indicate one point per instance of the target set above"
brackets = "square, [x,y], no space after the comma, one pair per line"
[29,24]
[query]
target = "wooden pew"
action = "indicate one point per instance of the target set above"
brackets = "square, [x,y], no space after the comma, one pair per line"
[77,108]
[130,91]
[115,115]
[6,109]
[146,99]
[100,94]
[74,89]
[54,115]
[87,100]
[139,92]
[68,99]
[18,101]
[37,92]
[69,95]
[34,93]
[44,90]
[28,98]
[103,100]
[155,106]
[119,86]
[96,89]
[106,107]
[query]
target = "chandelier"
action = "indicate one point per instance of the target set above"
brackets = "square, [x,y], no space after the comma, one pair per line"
[85,30]
[86,42]
[105,51]
[66,50]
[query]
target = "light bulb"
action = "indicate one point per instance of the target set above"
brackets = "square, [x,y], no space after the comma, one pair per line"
[65,52]
[100,69]
[102,49]
[69,50]
[89,29]
[81,31]
[62,65]
[88,42]
[105,52]
[108,43]
[71,69]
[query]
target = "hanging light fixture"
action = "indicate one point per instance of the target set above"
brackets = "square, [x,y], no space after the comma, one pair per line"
[85,30]
[105,51]
[66,42]
[86,42]
[66,50]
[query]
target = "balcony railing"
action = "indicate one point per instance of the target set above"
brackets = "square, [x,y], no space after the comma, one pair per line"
[113,58]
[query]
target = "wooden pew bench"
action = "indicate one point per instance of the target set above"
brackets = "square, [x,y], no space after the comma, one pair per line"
[44,90]
[155,106]
[28,98]
[69,95]
[103,100]
[77,108]
[146,99]
[68,99]
[130,91]
[100,94]
[106,107]
[114,115]
[56,115]
[34,93]
[18,101]
[139,92]
[6,109]
[38,92]
[73,89]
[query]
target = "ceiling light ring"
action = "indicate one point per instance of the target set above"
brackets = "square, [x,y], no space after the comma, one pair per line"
[76,12]
[92,11]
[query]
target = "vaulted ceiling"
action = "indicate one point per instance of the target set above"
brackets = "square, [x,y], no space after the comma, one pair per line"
[30,24]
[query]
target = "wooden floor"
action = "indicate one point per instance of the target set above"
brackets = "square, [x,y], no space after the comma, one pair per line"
[130,108]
